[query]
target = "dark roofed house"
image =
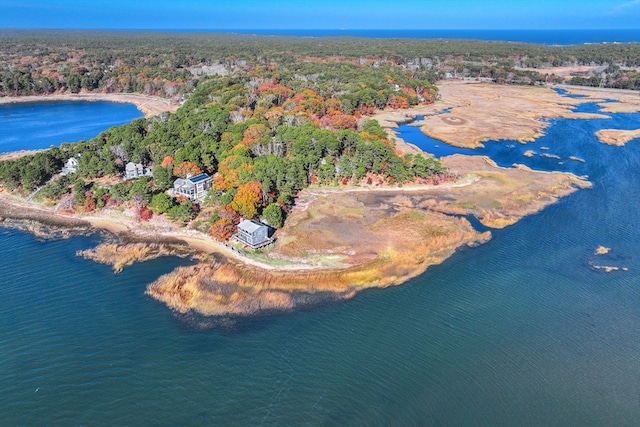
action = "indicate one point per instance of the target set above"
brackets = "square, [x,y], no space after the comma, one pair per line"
[136,170]
[194,188]
[253,234]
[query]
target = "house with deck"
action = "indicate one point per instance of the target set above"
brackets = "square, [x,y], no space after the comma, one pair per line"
[194,188]
[136,170]
[253,234]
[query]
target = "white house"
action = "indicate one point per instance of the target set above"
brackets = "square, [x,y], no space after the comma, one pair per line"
[136,170]
[253,234]
[71,165]
[194,188]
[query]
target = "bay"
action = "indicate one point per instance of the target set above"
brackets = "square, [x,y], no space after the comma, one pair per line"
[519,331]
[39,125]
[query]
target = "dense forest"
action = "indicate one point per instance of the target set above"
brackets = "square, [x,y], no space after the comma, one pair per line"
[170,64]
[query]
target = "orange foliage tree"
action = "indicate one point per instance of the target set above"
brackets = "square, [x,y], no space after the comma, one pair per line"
[167,162]
[274,117]
[186,168]
[89,202]
[227,212]
[338,120]
[248,199]
[398,102]
[222,229]
[230,170]
[145,213]
[253,133]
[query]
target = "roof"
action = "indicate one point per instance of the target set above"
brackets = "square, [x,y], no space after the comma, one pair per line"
[250,226]
[182,183]
[132,165]
[201,177]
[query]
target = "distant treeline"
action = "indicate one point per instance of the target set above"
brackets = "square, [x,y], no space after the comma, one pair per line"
[171,64]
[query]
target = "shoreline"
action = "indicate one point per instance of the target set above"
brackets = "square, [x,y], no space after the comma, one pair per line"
[16,208]
[149,105]
[337,241]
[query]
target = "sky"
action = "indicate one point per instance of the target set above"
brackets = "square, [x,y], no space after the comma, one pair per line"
[325,14]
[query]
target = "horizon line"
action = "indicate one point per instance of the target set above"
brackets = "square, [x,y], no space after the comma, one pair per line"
[311,29]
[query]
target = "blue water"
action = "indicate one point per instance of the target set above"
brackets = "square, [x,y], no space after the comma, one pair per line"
[564,146]
[547,37]
[517,332]
[31,126]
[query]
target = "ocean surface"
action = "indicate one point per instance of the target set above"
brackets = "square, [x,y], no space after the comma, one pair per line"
[520,331]
[548,37]
[31,126]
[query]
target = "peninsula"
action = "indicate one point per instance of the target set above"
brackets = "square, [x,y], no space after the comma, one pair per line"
[303,142]
[340,239]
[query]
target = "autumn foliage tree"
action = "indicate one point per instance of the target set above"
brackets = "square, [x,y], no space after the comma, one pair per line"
[253,133]
[187,168]
[167,162]
[222,229]
[145,213]
[248,199]
[231,169]
[89,202]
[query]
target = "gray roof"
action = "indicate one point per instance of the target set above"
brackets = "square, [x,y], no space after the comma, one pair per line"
[250,226]
[180,182]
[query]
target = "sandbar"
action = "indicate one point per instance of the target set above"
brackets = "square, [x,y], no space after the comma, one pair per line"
[617,137]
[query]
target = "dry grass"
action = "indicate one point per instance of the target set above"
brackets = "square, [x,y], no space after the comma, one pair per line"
[379,242]
[121,256]
[503,196]
[626,101]
[359,239]
[484,112]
